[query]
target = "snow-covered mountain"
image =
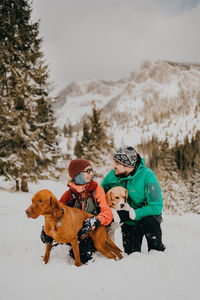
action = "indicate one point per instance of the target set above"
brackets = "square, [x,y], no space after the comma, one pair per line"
[158,98]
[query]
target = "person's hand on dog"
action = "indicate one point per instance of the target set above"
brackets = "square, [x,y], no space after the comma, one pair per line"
[89,225]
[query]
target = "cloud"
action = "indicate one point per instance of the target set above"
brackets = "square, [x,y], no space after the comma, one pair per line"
[106,39]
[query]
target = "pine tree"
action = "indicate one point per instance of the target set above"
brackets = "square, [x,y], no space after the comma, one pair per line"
[153,152]
[28,138]
[169,179]
[95,142]
[193,185]
[68,129]
[185,155]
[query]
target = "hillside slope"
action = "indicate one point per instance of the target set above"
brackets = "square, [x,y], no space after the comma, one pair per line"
[158,98]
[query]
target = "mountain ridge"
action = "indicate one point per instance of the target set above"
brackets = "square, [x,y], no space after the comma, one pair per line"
[159,98]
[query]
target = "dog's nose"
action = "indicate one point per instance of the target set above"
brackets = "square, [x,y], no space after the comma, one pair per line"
[122,205]
[28,212]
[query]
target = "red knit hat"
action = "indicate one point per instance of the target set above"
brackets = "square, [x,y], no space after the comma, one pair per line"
[76,166]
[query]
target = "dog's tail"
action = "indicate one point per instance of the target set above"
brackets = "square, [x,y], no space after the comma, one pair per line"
[112,244]
[113,248]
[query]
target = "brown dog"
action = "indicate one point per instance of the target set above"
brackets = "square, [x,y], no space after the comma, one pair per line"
[63,223]
[117,200]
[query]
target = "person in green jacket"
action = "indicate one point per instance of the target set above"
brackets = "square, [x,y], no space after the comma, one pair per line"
[144,196]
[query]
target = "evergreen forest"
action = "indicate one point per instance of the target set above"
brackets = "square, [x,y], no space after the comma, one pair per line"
[178,171]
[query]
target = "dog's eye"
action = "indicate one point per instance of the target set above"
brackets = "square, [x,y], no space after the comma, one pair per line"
[116,197]
[124,197]
[40,201]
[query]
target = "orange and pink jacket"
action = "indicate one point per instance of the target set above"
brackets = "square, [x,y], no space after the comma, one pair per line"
[90,198]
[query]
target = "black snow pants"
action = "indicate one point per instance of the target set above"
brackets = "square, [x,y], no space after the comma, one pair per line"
[150,228]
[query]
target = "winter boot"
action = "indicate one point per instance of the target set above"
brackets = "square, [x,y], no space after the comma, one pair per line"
[86,248]
[132,238]
[152,231]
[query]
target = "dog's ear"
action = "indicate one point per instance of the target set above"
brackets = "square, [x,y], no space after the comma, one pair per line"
[109,198]
[55,206]
[126,194]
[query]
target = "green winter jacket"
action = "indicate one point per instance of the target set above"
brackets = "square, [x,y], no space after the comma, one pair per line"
[144,193]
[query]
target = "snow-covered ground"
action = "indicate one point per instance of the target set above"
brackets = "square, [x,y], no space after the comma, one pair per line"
[172,275]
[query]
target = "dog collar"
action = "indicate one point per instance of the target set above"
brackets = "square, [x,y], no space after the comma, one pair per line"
[59,218]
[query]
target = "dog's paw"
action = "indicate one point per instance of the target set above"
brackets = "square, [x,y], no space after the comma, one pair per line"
[45,259]
[132,214]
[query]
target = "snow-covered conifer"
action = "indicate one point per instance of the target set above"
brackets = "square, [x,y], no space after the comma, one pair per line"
[28,138]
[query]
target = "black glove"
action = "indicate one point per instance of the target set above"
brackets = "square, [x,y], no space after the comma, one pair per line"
[88,225]
[46,239]
[124,215]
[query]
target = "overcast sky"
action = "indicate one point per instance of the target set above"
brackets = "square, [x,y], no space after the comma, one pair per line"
[107,39]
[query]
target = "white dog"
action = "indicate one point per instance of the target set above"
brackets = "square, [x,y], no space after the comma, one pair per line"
[117,200]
